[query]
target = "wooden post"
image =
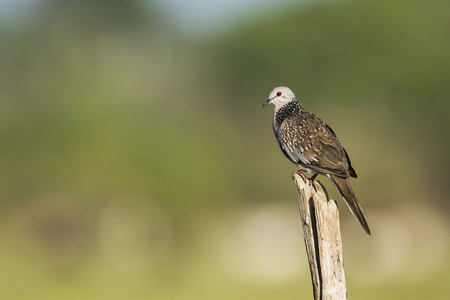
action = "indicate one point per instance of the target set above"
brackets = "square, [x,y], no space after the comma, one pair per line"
[321,231]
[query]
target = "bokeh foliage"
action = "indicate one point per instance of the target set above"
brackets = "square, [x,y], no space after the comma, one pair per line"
[136,162]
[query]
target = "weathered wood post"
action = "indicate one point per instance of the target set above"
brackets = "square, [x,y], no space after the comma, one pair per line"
[321,231]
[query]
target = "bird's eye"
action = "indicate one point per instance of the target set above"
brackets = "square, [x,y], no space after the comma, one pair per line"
[278,94]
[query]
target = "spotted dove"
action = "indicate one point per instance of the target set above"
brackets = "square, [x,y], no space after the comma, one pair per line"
[312,145]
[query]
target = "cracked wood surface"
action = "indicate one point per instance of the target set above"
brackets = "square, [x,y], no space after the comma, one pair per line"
[321,231]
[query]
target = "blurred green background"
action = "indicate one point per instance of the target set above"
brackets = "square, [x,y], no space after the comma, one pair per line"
[137,162]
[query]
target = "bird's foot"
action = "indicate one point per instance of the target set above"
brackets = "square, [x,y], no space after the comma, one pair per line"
[302,174]
[312,178]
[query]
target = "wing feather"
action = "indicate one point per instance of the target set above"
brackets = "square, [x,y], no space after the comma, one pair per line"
[310,142]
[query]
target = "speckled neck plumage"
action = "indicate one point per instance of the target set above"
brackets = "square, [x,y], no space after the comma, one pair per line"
[286,111]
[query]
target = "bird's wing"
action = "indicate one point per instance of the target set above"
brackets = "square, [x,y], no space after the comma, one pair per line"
[309,141]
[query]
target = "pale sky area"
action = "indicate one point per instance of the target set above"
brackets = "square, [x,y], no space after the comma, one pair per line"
[9,8]
[204,15]
[185,15]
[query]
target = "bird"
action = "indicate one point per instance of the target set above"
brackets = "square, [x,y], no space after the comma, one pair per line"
[313,146]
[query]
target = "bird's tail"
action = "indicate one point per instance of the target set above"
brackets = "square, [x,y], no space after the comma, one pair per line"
[345,188]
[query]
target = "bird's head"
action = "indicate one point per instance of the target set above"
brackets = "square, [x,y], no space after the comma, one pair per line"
[280,96]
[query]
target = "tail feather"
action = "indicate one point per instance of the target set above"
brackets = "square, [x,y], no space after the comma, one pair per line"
[345,188]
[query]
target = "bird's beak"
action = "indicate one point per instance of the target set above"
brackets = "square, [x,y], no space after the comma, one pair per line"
[267,102]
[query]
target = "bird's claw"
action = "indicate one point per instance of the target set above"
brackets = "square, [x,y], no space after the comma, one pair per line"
[302,174]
